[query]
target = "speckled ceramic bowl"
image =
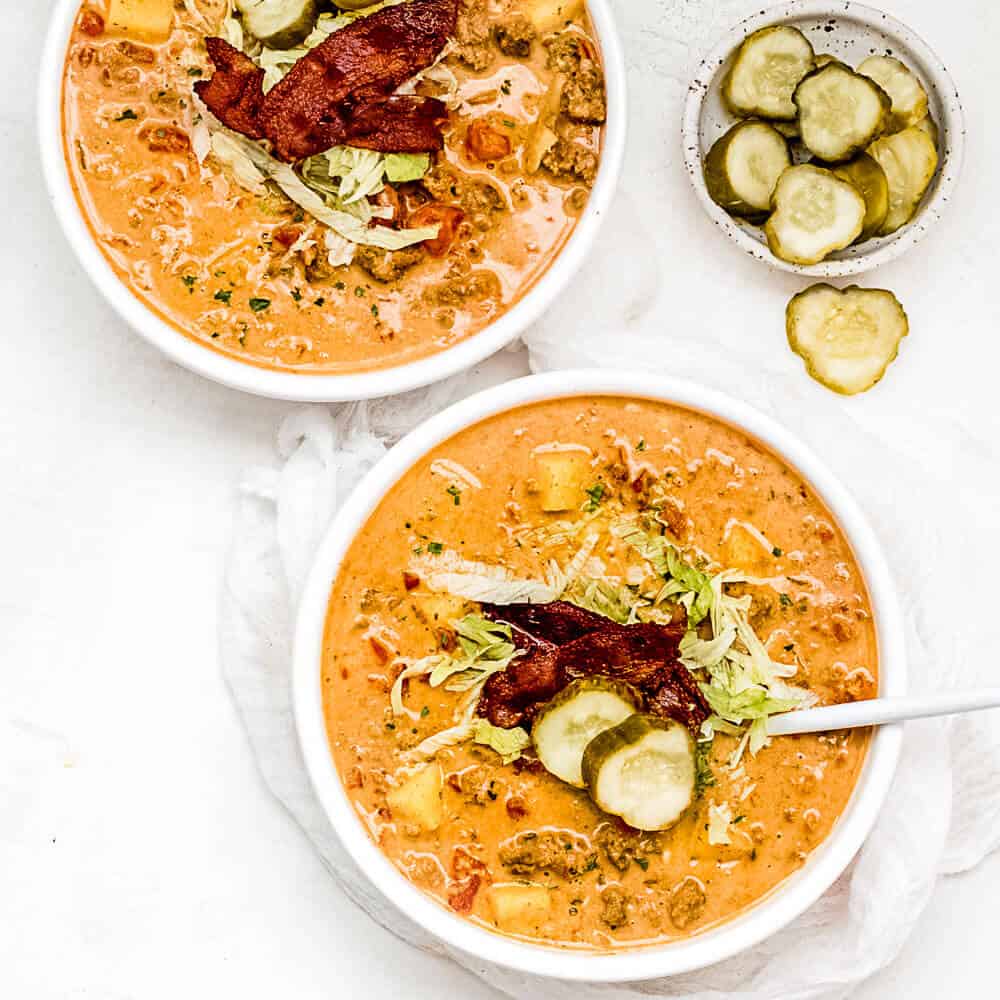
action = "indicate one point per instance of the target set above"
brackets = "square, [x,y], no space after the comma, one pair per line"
[851,32]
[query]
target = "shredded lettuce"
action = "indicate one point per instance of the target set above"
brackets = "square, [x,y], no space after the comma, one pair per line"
[402,167]
[602,597]
[682,579]
[475,581]
[352,226]
[507,742]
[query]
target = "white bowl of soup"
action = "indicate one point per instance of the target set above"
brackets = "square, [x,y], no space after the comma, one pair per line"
[615,537]
[287,267]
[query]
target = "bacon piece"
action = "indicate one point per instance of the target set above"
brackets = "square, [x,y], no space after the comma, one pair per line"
[555,623]
[399,124]
[563,642]
[234,93]
[340,90]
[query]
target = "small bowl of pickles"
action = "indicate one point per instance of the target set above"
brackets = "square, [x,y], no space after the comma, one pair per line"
[824,139]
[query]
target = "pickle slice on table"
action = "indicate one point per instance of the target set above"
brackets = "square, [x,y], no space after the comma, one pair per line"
[814,213]
[279,24]
[565,725]
[840,112]
[744,165]
[847,338]
[765,71]
[909,99]
[869,178]
[909,160]
[642,770]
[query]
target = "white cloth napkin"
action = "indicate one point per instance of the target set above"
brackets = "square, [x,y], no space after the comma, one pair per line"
[664,292]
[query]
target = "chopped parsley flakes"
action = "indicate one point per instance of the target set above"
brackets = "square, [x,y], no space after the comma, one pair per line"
[223,295]
[259,305]
[596,495]
[455,492]
[435,548]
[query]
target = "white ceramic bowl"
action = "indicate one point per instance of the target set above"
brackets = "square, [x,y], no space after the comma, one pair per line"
[289,385]
[851,32]
[767,916]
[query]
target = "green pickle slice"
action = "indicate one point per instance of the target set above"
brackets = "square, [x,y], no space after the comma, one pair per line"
[839,112]
[642,770]
[743,167]
[909,160]
[909,99]
[565,725]
[765,71]
[279,24]
[870,180]
[847,338]
[815,213]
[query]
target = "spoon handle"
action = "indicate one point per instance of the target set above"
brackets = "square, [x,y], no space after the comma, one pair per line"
[878,711]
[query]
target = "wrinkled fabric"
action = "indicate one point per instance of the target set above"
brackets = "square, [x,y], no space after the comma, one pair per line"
[624,310]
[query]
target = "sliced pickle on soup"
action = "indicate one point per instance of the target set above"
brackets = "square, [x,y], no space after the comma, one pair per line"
[815,213]
[743,166]
[565,725]
[642,770]
[840,112]
[279,24]
[765,71]
[847,338]
[909,99]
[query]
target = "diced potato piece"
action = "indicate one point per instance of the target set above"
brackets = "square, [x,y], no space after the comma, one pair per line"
[743,550]
[551,15]
[440,609]
[418,799]
[149,20]
[517,904]
[562,478]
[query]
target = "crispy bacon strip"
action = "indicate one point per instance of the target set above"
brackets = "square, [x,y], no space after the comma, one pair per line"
[340,90]
[563,642]
[234,92]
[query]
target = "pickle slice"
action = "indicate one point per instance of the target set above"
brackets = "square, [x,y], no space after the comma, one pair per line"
[565,725]
[815,213]
[642,770]
[279,24]
[870,180]
[928,125]
[848,338]
[743,166]
[909,160]
[839,112]
[909,99]
[765,72]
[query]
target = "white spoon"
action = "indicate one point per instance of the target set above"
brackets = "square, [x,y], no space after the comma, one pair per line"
[878,711]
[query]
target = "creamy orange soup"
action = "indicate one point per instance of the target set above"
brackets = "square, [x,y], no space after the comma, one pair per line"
[484,826]
[246,272]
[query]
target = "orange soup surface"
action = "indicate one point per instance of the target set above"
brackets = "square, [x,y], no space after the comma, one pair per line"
[495,836]
[227,257]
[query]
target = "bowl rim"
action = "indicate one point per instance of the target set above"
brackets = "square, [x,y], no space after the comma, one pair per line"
[952,130]
[767,916]
[303,386]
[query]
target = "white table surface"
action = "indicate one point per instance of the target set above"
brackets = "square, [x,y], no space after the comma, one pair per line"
[140,854]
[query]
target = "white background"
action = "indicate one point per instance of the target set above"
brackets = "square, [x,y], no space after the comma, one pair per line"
[140,855]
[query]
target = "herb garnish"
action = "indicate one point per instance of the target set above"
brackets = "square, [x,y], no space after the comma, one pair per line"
[296,295]
[455,492]
[189,280]
[435,548]
[596,495]
[319,302]
[776,551]
[259,305]
[641,446]
[223,295]
[128,115]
